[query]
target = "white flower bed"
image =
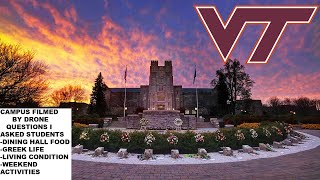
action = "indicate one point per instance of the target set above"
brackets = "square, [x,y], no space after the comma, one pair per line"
[310,143]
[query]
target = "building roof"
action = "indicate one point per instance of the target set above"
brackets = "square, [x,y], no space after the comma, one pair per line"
[137,90]
[184,90]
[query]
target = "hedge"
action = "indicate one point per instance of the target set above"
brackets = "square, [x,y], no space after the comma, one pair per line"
[186,141]
[290,119]
[310,126]
[89,120]
[310,120]
[240,119]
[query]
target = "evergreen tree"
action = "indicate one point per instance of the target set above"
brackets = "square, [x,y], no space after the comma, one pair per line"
[238,82]
[223,94]
[98,102]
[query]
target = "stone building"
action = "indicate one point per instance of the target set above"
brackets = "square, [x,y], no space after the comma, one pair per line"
[77,108]
[249,106]
[161,94]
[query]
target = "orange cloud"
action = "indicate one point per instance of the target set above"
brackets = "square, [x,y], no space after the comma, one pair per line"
[78,61]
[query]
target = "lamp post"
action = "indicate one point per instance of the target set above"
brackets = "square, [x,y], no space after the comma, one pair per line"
[228,104]
[293,115]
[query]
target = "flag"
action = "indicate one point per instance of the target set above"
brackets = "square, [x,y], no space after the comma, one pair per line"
[195,74]
[125,75]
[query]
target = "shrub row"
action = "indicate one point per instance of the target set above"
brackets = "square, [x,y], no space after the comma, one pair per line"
[310,120]
[76,116]
[310,126]
[186,141]
[87,121]
[290,119]
[249,125]
[240,119]
[80,125]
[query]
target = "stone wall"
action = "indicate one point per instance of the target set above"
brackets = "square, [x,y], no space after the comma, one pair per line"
[161,120]
[189,121]
[133,121]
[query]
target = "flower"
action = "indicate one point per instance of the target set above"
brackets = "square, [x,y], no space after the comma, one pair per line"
[199,138]
[267,132]
[288,128]
[220,136]
[172,139]
[143,121]
[84,135]
[149,139]
[279,132]
[254,133]
[125,137]
[104,137]
[240,136]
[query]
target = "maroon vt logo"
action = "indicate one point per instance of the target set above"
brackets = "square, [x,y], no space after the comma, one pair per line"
[275,19]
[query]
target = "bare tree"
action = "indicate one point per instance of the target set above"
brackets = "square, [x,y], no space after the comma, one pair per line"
[21,77]
[68,94]
[275,104]
[303,105]
[287,101]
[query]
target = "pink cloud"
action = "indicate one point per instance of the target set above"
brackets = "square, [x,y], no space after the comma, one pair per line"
[80,60]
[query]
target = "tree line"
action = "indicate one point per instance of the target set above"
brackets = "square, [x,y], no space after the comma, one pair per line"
[299,106]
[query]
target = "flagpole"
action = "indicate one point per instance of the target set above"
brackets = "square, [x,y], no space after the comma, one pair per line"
[125,94]
[125,98]
[197,101]
[194,79]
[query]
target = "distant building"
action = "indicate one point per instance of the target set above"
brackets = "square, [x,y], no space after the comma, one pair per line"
[249,106]
[77,108]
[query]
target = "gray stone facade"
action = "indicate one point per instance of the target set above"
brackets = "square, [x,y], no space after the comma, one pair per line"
[160,94]
[161,89]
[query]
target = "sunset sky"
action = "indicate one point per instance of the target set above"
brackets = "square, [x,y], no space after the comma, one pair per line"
[79,39]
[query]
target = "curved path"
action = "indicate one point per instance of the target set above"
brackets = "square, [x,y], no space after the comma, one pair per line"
[303,165]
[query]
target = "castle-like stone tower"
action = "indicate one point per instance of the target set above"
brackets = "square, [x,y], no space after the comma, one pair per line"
[161,89]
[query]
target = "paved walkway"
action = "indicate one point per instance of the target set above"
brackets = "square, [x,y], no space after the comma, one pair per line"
[303,165]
